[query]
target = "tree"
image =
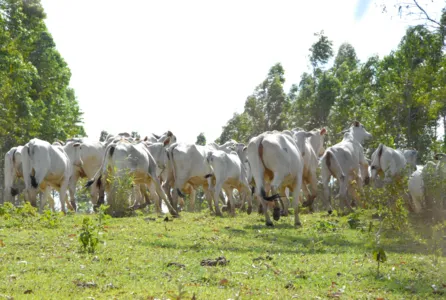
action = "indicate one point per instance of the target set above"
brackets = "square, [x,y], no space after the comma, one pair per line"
[201,139]
[321,51]
[35,97]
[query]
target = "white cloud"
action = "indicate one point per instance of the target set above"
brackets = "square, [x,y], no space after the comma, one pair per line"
[188,66]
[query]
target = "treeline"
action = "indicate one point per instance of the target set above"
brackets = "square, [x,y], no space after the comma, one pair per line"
[399,98]
[35,97]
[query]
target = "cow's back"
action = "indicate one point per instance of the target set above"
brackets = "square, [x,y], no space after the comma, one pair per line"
[346,155]
[280,154]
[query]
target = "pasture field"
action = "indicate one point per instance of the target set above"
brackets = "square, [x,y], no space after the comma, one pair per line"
[328,257]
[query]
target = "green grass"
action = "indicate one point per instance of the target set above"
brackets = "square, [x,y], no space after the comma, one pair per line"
[41,259]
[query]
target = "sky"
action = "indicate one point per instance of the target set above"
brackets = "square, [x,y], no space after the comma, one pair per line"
[188,66]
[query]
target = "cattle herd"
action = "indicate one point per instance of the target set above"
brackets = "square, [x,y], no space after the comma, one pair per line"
[272,165]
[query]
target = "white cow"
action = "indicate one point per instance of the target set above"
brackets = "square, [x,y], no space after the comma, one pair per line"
[154,138]
[428,182]
[91,153]
[411,159]
[13,170]
[275,159]
[46,164]
[187,166]
[388,162]
[346,162]
[227,147]
[125,155]
[229,173]
[311,149]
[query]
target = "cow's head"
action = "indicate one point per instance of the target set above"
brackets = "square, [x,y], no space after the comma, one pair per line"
[167,138]
[359,133]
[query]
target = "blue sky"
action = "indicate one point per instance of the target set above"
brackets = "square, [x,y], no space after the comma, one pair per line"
[187,66]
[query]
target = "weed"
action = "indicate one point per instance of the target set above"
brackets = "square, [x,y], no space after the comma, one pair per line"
[89,236]
[122,184]
[50,219]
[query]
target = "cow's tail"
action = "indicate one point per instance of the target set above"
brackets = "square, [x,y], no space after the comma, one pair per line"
[171,162]
[380,153]
[257,160]
[27,166]
[209,159]
[105,161]
[10,172]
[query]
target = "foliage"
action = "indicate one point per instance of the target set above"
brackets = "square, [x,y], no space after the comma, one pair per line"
[399,98]
[88,236]
[35,97]
[201,139]
[122,185]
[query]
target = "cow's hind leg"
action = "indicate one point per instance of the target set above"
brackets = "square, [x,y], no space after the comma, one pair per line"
[275,184]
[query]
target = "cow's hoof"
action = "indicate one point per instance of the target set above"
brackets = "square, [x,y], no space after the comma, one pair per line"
[218,214]
[306,203]
[249,211]
[330,211]
[276,213]
[284,213]
[260,209]
[269,224]
[298,224]
[367,180]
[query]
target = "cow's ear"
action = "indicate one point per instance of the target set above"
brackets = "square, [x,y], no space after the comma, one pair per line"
[76,144]
[356,123]
[166,141]
[323,131]
[146,138]
[169,133]
[245,148]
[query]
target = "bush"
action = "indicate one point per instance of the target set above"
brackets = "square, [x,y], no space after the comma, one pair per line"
[121,184]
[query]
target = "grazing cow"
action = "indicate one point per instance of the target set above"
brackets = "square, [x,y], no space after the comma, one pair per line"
[44,163]
[229,173]
[346,162]
[388,162]
[275,159]
[123,156]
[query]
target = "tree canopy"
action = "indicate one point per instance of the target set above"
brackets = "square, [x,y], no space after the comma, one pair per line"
[35,97]
[400,98]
